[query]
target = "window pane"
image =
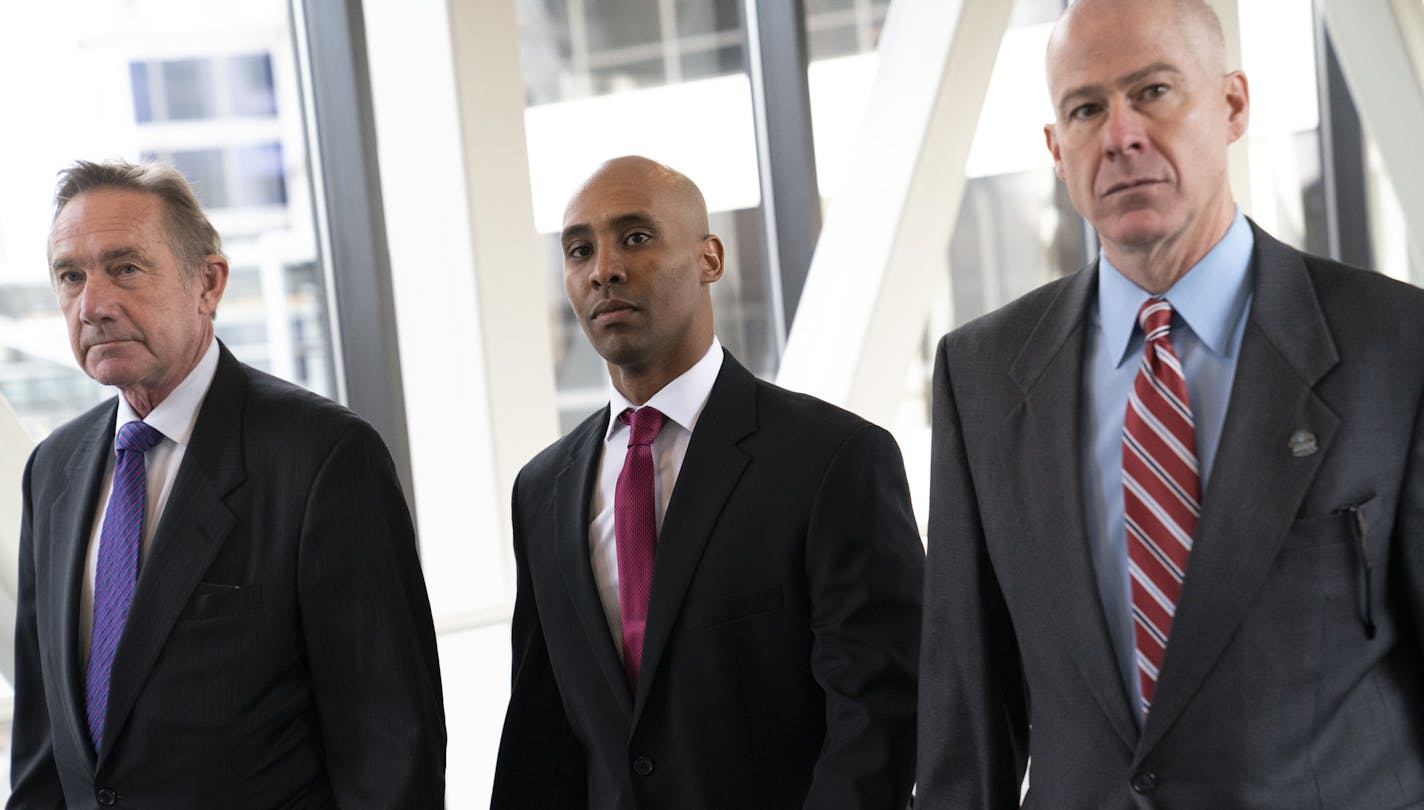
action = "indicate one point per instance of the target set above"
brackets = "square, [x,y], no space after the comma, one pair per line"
[611,25]
[188,88]
[249,85]
[142,98]
[260,176]
[696,17]
[205,171]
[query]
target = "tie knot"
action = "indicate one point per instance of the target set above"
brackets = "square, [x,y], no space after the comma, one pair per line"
[138,435]
[1155,317]
[643,424]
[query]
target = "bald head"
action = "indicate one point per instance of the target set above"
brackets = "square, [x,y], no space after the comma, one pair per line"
[1193,21]
[678,196]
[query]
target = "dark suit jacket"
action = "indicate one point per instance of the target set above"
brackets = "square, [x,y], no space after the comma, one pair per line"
[1275,691]
[279,651]
[780,656]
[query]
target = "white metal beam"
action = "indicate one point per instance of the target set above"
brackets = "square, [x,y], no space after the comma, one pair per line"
[1380,44]
[510,268]
[883,251]
[15,446]
[469,282]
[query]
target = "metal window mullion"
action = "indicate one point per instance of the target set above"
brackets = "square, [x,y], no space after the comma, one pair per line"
[347,181]
[781,103]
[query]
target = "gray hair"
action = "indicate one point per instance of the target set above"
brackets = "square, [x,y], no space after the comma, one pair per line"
[191,236]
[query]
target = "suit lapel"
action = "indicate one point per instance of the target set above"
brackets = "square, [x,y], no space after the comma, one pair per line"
[72,515]
[573,492]
[1256,484]
[1040,442]
[194,525]
[711,468]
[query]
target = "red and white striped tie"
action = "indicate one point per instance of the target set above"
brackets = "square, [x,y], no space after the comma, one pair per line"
[1161,496]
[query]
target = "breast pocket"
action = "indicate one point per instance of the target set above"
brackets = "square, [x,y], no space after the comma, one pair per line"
[723,609]
[1339,550]
[211,600]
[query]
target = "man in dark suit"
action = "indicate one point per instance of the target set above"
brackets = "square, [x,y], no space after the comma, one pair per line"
[226,610]
[767,659]
[1198,595]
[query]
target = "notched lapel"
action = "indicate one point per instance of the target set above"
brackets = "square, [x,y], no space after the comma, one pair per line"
[573,493]
[72,518]
[1257,483]
[1040,446]
[710,470]
[195,523]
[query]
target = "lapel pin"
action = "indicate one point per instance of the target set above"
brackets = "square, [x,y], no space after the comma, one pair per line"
[1302,443]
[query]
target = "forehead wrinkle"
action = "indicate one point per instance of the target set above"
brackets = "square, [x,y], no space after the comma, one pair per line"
[1125,81]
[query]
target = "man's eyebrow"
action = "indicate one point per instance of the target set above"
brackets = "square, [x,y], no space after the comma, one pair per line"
[620,221]
[1123,81]
[111,255]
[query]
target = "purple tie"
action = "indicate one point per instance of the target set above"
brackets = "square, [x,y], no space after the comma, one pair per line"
[117,571]
[636,529]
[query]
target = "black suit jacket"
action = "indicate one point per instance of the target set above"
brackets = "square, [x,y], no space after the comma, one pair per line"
[780,657]
[279,651]
[1294,675]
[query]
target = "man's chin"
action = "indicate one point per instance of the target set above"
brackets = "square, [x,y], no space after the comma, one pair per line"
[1139,229]
[116,371]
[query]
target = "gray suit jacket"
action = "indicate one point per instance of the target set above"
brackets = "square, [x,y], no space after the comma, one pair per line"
[1293,677]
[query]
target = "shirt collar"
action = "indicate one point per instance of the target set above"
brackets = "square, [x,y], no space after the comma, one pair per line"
[1209,299]
[681,400]
[177,414]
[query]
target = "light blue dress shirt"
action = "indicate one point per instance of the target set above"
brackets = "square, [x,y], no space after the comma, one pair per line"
[1209,307]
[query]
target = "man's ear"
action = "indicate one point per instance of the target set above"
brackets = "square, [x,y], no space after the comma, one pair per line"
[1238,105]
[1050,139]
[712,264]
[211,278]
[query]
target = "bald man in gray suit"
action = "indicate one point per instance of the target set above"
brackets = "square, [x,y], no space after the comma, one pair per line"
[1176,539]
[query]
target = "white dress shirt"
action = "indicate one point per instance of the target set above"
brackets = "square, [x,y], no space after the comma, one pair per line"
[681,401]
[174,417]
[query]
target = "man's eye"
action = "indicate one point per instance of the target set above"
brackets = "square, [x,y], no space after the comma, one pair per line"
[1084,111]
[636,238]
[1155,91]
[127,269]
[70,277]
[578,252]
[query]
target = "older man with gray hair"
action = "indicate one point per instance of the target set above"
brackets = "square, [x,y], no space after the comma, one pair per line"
[220,603]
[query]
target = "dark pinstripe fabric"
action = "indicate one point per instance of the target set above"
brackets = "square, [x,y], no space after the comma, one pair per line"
[279,651]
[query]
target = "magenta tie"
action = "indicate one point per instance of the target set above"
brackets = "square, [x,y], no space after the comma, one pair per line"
[636,529]
[1161,495]
[117,569]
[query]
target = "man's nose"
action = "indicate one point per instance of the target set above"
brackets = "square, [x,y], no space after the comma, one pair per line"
[608,268]
[1124,131]
[97,299]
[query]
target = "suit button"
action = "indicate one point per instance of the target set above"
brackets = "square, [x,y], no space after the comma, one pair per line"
[643,765]
[106,797]
[1144,782]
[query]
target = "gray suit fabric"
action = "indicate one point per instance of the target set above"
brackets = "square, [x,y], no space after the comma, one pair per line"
[1294,676]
